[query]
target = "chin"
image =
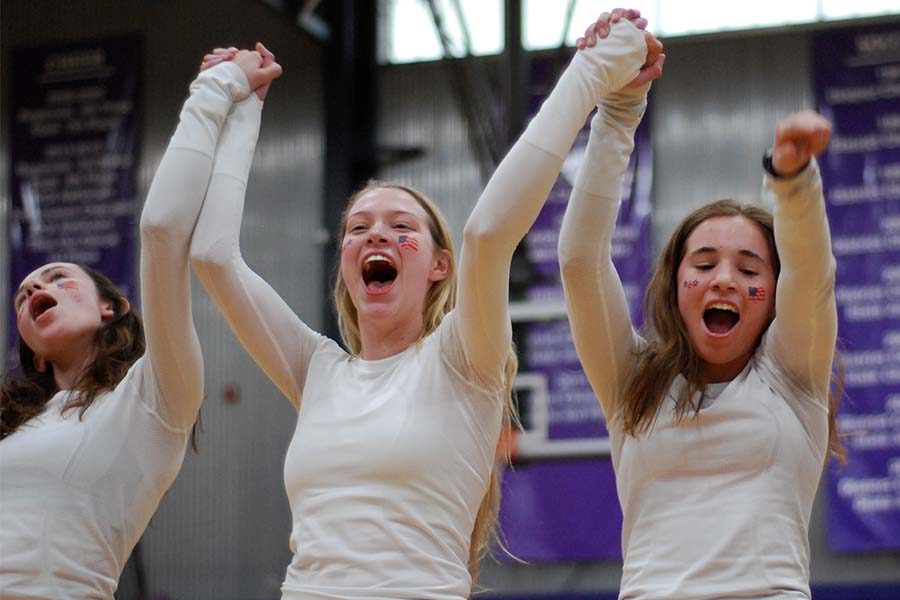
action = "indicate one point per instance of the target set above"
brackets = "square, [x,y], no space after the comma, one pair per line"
[375,308]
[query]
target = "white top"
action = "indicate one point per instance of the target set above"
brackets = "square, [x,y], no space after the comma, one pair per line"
[77,493]
[717,506]
[391,458]
[403,449]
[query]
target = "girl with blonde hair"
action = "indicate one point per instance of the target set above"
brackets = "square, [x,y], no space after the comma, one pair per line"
[390,472]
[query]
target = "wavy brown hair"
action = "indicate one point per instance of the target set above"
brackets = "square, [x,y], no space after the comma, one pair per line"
[439,301]
[118,343]
[669,351]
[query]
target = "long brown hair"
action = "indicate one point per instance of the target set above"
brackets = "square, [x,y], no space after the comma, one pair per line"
[439,301]
[118,343]
[669,351]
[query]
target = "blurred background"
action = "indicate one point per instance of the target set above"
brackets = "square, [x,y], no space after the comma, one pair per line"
[432,93]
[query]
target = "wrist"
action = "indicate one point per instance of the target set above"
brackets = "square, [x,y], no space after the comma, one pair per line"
[228,77]
[769,167]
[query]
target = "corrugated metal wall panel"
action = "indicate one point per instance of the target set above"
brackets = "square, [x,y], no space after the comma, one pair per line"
[714,113]
[418,108]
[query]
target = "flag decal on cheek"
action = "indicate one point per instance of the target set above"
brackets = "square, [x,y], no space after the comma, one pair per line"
[757,294]
[410,243]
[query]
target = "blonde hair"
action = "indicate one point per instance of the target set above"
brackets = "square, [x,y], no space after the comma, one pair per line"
[670,352]
[439,301]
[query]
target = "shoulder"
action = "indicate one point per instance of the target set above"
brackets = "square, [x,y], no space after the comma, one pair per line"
[446,346]
[327,350]
[137,379]
[784,384]
[776,374]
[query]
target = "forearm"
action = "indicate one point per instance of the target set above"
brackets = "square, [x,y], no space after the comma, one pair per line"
[516,193]
[802,234]
[215,247]
[173,202]
[805,328]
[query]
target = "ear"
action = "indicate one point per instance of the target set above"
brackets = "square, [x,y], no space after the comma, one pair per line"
[440,269]
[40,365]
[108,310]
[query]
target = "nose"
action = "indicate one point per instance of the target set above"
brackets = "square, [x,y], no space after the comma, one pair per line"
[724,278]
[32,287]
[377,235]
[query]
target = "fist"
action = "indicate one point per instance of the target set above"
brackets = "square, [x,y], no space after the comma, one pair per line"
[799,137]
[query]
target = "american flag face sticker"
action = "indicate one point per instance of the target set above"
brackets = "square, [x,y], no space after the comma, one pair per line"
[408,242]
[756,294]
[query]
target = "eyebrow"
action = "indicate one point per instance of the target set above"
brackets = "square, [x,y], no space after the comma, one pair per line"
[742,252]
[393,213]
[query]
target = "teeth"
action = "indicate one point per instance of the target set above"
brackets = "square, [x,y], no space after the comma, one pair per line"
[723,306]
[376,257]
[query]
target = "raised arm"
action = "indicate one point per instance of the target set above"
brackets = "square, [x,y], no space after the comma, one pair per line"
[516,192]
[803,334]
[595,298]
[266,326]
[168,219]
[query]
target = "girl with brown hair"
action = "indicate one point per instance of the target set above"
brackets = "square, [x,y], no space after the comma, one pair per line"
[721,415]
[93,429]
[390,473]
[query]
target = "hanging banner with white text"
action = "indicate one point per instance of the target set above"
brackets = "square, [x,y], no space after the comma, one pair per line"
[74,147]
[857,74]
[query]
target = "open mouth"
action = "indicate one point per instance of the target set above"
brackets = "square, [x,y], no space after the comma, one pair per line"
[378,272]
[41,304]
[720,318]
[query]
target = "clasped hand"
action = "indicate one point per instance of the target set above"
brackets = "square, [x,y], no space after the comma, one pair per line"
[653,67]
[258,65]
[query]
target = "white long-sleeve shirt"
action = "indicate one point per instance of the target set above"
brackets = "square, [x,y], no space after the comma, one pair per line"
[717,506]
[391,458]
[77,493]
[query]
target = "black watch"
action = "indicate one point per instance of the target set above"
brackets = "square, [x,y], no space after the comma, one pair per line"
[770,169]
[767,164]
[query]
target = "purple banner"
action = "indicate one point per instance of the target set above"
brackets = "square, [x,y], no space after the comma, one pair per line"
[75,139]
[857,75]
[562,510]
[560,499]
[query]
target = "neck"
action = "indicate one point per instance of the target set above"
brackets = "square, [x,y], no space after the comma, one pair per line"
[724,372]
[68,368]
[381,340]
